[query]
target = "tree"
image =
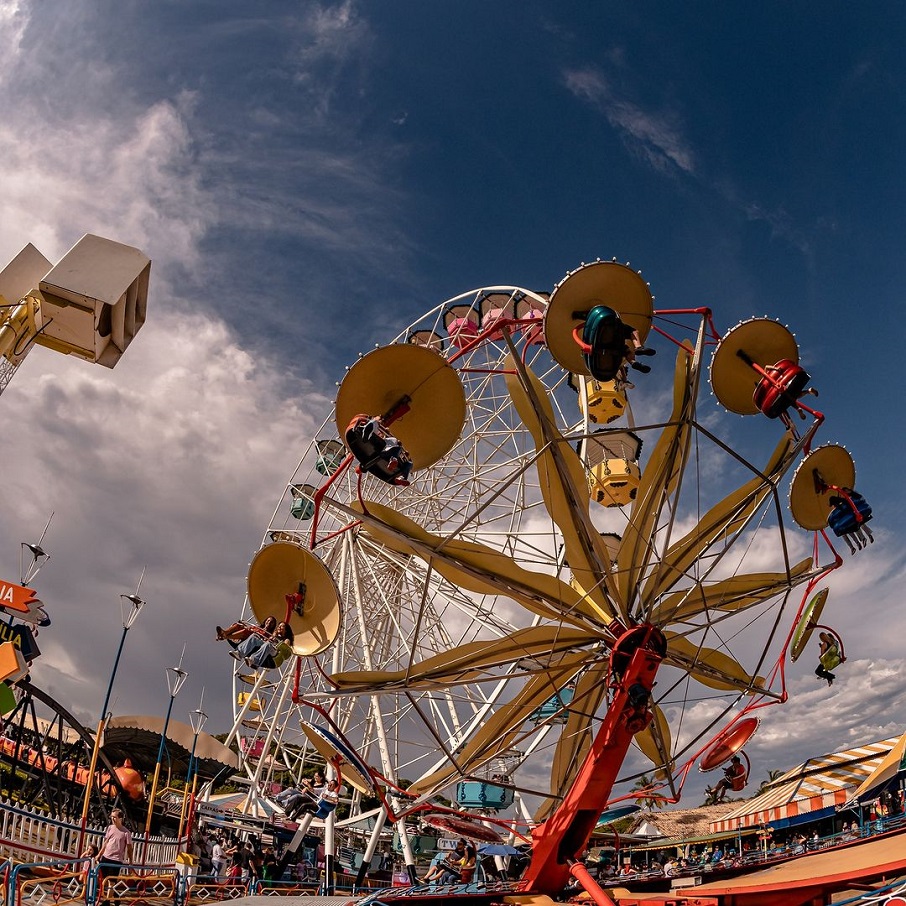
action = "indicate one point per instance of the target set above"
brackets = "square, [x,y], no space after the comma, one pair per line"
[645,782]
[772,776]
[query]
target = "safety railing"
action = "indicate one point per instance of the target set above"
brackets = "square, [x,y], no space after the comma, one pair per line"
[28,835]
[47,884]
[208,889]
[68,881]
[286,888]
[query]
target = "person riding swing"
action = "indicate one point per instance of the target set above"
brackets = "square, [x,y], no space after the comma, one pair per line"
[379,453]
[608,344]
[734,779]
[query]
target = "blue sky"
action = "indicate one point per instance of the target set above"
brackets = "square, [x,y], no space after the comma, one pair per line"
[308,178]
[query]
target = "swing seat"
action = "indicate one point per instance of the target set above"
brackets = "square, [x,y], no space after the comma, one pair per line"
[739,783]
[776,394]
[844,520]
[831,658]
[379,453]
[324,808]
[606,335]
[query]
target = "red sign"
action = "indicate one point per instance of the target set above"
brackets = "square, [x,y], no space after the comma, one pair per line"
[16,597]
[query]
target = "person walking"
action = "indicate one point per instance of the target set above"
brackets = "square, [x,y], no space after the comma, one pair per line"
[116,851]
[218,859]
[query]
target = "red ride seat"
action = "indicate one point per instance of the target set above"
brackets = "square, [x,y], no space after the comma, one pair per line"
[779,391]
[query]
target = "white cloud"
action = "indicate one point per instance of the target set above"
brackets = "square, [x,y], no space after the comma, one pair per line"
[173,461]
[656,137]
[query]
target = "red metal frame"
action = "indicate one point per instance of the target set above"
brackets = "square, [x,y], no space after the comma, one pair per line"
[560,840]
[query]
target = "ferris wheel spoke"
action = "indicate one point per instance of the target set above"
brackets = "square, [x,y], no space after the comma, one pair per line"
[468,663]
[498,733]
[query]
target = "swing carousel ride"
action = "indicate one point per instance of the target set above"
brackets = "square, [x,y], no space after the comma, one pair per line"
[520,580]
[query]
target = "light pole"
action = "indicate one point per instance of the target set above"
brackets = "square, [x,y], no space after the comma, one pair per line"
[130,607]
[197,719]
[176,677]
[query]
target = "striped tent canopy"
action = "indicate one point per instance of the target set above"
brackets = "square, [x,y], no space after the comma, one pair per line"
[820,783]
[883,774]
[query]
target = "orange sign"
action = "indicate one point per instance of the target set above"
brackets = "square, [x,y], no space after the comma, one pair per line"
[16,597]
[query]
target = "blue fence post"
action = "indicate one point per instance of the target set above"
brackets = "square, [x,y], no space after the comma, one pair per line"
[91,886]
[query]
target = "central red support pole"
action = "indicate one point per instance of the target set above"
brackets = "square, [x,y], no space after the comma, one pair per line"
[561,839]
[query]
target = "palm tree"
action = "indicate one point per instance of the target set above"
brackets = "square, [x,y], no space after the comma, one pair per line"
[645,783]
[772,776]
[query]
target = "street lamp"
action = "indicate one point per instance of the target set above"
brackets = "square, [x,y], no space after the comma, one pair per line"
[197,719]
[130,607]
[176,678]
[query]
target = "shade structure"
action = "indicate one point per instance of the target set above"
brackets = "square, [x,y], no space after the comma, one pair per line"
[137,737]
[809,502]
[462,826]
[819,783]
[886,771]
[729,743]
[618,811]
[499,849]
[607,283]
[282,569]
[759,340]
[419,378]
[807,623]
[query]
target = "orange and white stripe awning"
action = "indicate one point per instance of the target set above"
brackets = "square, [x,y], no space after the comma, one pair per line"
[818,783]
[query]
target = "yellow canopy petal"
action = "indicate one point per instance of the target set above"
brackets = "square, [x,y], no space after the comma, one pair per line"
[575,738]
[734,593]
[658,480]
[655,743]
[466,663]
[710,667]
[564,487]
[720,522]
[475,567]
[498,733]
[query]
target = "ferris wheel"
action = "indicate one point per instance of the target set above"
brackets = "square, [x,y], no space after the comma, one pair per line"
[535,521]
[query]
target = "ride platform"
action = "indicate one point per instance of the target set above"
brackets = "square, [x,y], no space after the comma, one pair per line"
[809,880]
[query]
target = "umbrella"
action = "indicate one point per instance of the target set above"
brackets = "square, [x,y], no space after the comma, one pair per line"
[498,849]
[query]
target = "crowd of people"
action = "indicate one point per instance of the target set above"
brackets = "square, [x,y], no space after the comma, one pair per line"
[764,847]
[225,858]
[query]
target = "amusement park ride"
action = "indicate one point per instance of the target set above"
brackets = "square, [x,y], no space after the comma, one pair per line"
[482,576]
[493,557]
